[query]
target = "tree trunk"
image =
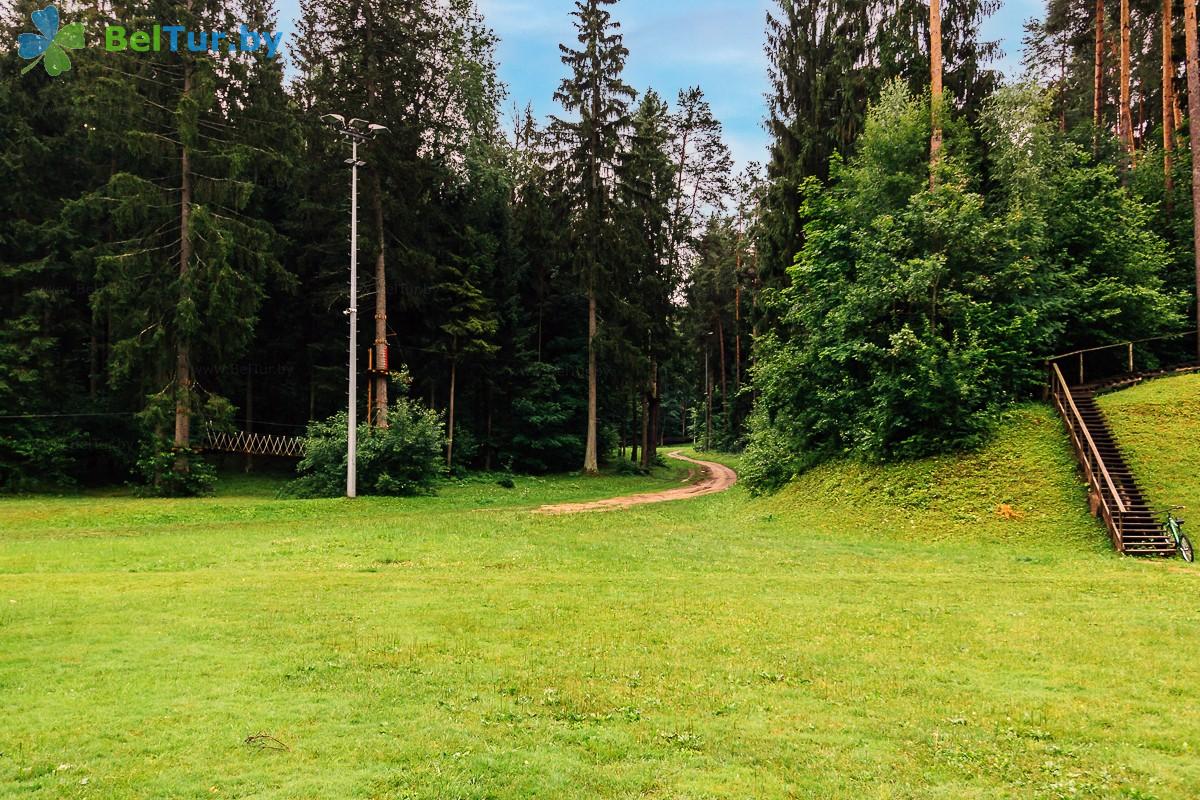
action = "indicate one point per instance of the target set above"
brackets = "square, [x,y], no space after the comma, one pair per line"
[379,378]
[1141,122]
[250,413]
[737,326]
[650,426]
[724,374]
[1168,106]
[1098,77]
[450,415]
[655,420]
[591,462]
[312,394]
[633,438]
[677,214]
[645,429]
[93,360]
[1193,79]
[1126,124]
[709,408]
[183,365]
[935,86]
[487,448]
[1062,83]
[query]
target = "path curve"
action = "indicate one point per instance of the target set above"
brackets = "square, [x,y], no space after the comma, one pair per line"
[717,478]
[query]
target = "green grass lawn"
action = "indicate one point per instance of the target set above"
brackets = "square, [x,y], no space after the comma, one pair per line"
[956,628]
[1157,425]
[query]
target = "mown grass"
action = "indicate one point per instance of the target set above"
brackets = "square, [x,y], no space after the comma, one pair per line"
[869,633]
[1157,425]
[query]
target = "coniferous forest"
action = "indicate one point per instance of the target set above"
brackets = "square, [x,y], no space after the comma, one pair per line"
[572,293]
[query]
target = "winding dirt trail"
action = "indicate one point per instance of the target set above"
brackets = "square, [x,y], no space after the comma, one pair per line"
[717,478]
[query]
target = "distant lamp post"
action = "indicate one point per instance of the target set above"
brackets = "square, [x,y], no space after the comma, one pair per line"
[354,132]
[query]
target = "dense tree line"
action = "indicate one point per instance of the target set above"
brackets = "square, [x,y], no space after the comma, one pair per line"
[567,292]
[173,244]
[926,235]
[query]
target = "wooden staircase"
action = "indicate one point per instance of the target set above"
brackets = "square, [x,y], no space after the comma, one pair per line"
[1134,528]
[1113,489]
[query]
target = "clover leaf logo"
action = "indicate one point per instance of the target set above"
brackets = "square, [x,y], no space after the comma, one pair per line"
[51,45]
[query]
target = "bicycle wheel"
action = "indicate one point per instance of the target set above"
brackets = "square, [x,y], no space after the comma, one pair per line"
[1185,549]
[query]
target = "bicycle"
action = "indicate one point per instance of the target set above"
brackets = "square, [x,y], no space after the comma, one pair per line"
[1174,528]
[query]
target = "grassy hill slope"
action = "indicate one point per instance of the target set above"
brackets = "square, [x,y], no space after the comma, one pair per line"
[1023,488]
[1157,425]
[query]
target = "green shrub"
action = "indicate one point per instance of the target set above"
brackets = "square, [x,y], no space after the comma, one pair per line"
[173,471]
[63,454]
[32,458]
[166,470]
[769,460]
[626,467]
[405,458]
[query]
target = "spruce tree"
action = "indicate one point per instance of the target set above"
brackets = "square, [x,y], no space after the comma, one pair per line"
[549,345]
[181,272]
[600,98]
[703,168]
[647,195]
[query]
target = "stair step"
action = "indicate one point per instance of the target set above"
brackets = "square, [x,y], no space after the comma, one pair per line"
[1141,529]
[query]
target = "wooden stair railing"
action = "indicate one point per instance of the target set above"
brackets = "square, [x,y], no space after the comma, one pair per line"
[1114,492]
[1102,487]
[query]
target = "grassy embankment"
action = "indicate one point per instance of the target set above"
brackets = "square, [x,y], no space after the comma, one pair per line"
[1157,425]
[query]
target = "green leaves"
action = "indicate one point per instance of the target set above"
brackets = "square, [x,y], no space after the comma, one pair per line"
[915,313]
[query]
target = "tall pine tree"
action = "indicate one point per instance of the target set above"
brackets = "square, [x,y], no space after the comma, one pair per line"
[600,98]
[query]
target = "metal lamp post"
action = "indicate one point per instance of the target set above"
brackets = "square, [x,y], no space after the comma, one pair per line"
[354,131]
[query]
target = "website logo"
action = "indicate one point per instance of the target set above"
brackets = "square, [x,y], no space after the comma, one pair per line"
[50,46]
[173,38]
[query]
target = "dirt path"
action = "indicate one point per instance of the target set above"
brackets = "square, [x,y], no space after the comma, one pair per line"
[717,478]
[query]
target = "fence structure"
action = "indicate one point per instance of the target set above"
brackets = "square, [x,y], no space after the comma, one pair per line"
[254,444]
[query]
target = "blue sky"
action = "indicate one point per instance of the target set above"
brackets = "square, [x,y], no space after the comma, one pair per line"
[673,44]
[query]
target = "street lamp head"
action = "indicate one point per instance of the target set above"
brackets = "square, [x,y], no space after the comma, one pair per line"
[358,124]
[334,119]
[375,130]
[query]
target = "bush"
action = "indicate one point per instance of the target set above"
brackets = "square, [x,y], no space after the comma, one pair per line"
[769,461]
[402,459]
[64,454]
[626,467]
[174,472]
[32,458]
